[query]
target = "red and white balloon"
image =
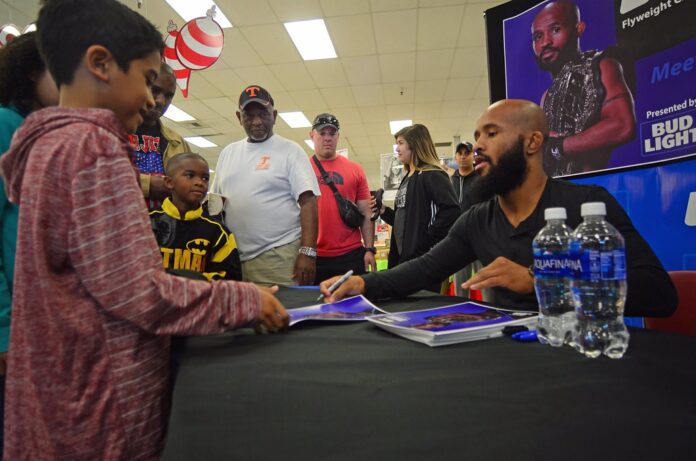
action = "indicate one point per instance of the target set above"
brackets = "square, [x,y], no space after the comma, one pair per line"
[197,46]
[8,32]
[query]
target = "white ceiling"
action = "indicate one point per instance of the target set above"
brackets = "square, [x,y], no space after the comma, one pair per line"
[423,60]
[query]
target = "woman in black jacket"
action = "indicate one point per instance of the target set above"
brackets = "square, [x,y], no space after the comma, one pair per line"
[425,206]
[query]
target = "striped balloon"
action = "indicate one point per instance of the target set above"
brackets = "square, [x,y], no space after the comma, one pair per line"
[8,32]
[181,73]
[199,43]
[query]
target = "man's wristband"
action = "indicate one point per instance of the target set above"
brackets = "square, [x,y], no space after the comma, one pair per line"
[372,250]
[308,251]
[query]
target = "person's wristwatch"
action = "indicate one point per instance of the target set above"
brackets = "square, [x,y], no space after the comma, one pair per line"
[308,251]
[372,250]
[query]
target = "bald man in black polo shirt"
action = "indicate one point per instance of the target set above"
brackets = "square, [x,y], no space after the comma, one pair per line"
[499,231]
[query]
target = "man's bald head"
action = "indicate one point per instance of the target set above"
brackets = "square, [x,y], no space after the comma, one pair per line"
[520,114]
[564,11]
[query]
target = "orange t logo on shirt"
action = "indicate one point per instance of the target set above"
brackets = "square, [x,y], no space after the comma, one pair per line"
[263,163]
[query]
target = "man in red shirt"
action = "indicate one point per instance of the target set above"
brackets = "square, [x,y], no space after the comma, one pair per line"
[339,247]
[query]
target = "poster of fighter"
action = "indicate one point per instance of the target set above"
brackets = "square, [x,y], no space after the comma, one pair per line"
[615,80]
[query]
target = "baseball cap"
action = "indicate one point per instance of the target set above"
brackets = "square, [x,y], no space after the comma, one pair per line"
[255,93]
[324,120]
[465,145]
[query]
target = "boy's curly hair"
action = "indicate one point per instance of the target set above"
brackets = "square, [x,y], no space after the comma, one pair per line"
[20,66]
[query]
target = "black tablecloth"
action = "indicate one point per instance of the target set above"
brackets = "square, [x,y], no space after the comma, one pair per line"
[355,392]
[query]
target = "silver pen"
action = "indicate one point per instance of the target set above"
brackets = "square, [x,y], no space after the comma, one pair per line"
[337,283]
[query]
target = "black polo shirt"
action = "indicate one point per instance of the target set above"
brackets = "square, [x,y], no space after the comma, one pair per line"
[484,233]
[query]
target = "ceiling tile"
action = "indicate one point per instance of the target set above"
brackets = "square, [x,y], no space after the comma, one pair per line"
[237,52]
[474,25]
[195,108]
[362,70]
[393,5]
[400,111]
[462,88]
[439,27]
[398,67]
[223,106]
[433,64]
[399,93]
[284,101]
[294,75]
[296,10]
[430,90]
[378,129]
[478,107]
[468,62]
[310,100]
[374,114]
[352,35]
[351,129]
[429,3]
[260,75]
[343,7]
[395,31]
[455,109]
[327,73]
[227,81]
[426,110]
[200,88]
[350,115]
[247,13]
[339,97]
[272,43]
[368,95]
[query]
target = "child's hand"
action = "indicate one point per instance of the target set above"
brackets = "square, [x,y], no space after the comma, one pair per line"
[272,317]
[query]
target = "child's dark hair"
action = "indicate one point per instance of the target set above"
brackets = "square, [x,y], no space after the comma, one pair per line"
[175,162]
[66,28]
[20,66]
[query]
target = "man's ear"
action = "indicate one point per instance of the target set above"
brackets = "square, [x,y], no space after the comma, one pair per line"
[239,117]
[580,28]
[534,142]
[99,62]
[168,182]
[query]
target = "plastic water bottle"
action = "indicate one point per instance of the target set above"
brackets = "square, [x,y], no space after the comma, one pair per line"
[599,286]
[552,279]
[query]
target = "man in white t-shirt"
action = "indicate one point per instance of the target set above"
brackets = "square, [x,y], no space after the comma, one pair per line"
[270,195]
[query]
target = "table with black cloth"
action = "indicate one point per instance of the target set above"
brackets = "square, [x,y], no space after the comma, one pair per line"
[351,391]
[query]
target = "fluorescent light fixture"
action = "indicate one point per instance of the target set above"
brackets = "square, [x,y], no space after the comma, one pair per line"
[310,143]
[188,10]
[295,119]
[175,114]
[311,39]
[396,125]
[199,141]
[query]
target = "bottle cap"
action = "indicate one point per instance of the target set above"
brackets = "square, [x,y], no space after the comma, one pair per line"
[555,213]
[593,209]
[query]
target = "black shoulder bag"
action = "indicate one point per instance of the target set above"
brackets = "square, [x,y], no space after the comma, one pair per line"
[349,211]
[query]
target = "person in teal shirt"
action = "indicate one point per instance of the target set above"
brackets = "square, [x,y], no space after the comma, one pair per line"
[25,86]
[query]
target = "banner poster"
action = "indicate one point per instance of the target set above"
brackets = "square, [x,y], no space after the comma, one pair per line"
[617,81]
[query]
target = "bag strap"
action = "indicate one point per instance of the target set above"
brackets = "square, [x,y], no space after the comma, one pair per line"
[325,175]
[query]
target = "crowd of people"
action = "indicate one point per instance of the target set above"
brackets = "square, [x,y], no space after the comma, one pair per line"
[109,247]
